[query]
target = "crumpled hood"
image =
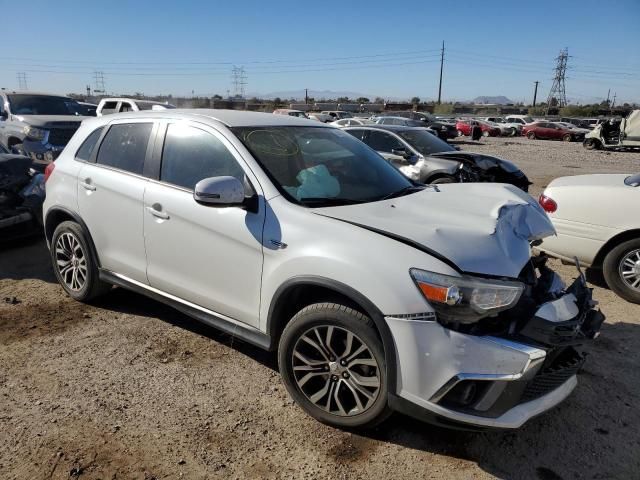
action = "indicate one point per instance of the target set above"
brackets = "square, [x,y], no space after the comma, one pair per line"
[52,121]
[482,161]
[481,228]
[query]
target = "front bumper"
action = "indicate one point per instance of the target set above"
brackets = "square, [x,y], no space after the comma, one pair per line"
[472,381]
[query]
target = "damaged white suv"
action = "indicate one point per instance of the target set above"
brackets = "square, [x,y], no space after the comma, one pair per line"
[378,294]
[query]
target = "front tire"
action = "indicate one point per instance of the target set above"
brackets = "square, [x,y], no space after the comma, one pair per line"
[486,133]
[531,135]
[443,179]
[621,270]
[332,364]
[460,133]
[567,138]
[73,263]
[591,144]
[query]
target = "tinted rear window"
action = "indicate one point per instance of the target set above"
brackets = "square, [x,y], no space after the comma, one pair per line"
[125,146]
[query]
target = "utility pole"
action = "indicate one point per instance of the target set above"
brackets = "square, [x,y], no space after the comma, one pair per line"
[535,93]
[557,91]
[441,66]
[22,80]
[88,90]
[306,96]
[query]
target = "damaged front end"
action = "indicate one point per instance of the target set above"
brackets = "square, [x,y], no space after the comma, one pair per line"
[554,320]
[475,167]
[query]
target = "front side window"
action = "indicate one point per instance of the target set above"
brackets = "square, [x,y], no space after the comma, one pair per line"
[86,149]
[126,107]
[424,142]
[125,146]
[316,166]
[383,142]
[191,154]
[109,107]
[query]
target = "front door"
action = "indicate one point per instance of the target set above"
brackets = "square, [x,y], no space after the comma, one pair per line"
[209,256]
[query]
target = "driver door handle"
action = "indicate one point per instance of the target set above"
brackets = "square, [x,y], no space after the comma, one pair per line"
[88,186]
[158,213]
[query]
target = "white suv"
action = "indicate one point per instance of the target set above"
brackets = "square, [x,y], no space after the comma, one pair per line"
[378,294]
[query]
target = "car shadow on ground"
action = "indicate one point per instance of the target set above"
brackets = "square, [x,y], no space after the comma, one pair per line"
[529,452]
[26,258]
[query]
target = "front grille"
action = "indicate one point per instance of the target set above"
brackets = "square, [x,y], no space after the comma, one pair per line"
[567,364]
[61,136]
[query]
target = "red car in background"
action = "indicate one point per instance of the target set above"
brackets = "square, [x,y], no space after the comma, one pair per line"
[551,131]
[464,128]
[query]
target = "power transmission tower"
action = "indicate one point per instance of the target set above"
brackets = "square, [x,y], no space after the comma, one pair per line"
[22,80]
[557,91]
[239,80]
[441,66]
[98,77]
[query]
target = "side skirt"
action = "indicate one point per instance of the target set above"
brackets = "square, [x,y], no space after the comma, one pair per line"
[208,317]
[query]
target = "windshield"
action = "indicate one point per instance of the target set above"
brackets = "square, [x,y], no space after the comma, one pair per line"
[318,167]
[20,104]
[424,142]
[633,180]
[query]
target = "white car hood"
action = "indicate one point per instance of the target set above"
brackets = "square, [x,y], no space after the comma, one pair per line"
[481,228]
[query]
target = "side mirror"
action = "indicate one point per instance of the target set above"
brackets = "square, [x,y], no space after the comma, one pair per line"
[4,115]
[219,192]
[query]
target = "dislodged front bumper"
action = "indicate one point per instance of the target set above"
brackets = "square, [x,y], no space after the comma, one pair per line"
[488,381]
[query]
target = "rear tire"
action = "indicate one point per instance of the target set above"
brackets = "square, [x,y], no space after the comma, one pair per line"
[567,138]
[486,133]
[460,133]
[324,374]
[73,264]
[621,270]
[531,135]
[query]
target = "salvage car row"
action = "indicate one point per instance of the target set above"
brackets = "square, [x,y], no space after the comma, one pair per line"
[454,321]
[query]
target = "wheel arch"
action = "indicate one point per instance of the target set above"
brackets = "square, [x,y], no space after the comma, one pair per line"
[612,243]
[56,215]
[298,292]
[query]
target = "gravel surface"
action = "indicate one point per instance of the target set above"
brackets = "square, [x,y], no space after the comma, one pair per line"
[129,388]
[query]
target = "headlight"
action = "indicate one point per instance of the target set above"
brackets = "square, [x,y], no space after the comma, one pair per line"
[466,299]
[443,127]
[34,133]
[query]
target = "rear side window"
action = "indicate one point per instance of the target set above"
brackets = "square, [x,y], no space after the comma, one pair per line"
[125,146]
[383,142]
[191,154]
[359,134]
[86,149]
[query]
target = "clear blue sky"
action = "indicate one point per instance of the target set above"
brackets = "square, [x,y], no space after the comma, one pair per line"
[374,47]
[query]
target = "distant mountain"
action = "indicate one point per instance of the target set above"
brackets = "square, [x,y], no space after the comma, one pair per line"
[497,100]
[317,94]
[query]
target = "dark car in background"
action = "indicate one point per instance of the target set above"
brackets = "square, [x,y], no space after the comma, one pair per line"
[425,158]
[38,125]
[551,131]
[446,130]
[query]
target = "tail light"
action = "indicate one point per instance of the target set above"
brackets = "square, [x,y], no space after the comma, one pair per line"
[548,204]
[48,171]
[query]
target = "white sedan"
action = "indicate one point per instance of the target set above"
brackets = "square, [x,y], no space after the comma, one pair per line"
[597,219]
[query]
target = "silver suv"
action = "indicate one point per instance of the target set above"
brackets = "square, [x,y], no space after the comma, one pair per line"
[378,293]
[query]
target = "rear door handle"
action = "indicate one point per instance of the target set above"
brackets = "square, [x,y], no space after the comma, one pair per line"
[87,186]
[158,213]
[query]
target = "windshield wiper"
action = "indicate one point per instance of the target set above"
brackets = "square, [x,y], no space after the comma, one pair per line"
[404,191]
[328,201]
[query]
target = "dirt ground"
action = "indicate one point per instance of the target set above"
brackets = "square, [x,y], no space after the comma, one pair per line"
[129,388]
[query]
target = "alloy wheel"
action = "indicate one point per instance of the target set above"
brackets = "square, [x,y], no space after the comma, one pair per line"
[336,370]
[629,269]
[71,261]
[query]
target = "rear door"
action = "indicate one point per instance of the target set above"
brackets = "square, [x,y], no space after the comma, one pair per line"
[110,194]
[209,256]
